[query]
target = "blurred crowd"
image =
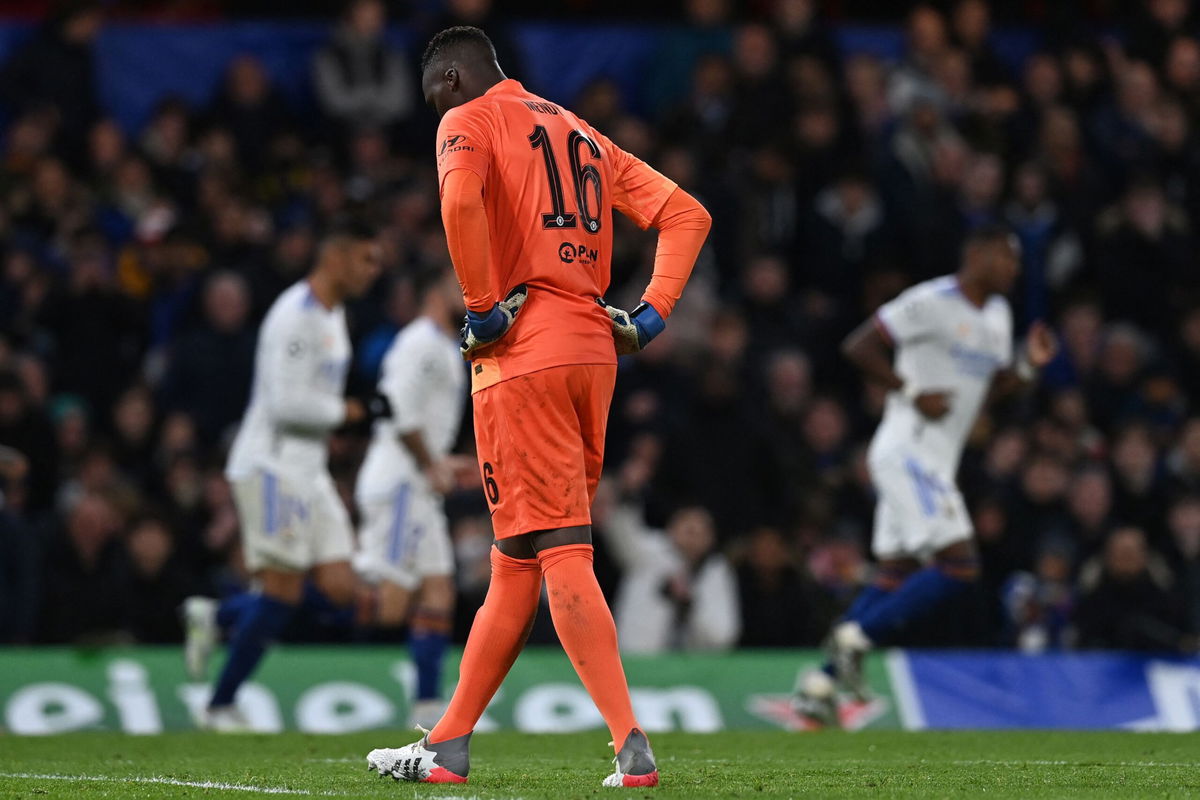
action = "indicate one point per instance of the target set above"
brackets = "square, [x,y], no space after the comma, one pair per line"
[736,510]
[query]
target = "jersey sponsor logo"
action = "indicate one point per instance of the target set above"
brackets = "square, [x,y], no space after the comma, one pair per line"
[454,144]
[570,253]
[972,362]
[333,371]
[541,108]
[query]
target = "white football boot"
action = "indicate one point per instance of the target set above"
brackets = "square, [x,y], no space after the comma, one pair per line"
[224,719]
[422,762]
[847,646]
[201,635]
[635,763]
[815,698]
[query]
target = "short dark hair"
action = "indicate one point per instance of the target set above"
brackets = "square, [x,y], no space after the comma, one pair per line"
[988,233]
[352,228]
[465,37]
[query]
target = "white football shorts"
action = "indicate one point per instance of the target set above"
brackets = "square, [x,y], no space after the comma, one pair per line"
[292,523]
[403,537]
[919,510]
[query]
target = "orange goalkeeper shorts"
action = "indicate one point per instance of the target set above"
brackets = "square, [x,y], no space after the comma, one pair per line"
[540,440]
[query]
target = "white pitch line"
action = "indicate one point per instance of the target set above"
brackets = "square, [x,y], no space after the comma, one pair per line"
[232,787]
[1046,763]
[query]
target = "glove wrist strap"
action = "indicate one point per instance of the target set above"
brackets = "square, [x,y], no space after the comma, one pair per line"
[486,324]
[649,322]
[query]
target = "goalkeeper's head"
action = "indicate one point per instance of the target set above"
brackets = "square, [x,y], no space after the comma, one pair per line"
[458,66]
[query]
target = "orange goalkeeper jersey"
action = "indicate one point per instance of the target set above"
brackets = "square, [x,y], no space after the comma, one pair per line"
[551,182]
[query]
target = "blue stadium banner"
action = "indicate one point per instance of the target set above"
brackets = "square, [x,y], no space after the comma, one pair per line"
[1073,691]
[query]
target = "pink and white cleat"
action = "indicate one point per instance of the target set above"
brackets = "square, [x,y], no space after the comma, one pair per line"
[422,762]
[635,763]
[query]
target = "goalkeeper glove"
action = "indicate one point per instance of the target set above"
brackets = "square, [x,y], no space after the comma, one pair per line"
[633,331]
[481,328]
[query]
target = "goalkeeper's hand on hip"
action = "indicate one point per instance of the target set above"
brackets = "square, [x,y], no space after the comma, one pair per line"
[481,328]
[633,330]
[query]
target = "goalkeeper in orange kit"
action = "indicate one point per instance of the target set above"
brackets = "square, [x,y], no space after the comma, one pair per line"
[528,190]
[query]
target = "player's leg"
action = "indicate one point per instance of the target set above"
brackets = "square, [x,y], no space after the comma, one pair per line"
[896,514]
[330,594]
[261,622]
[890,574]
[429,635]
[332,589]
[230,610]
[497,635]
[507,440]
[381,560]
[922,512]
[406,556]
[277,552]
[431,621]
[952,571]
[815,692]
[392,604]
[585,624]
[581,615]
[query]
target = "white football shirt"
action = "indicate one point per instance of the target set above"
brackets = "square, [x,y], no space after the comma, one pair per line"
[943,343]
[424,378]
[300,366]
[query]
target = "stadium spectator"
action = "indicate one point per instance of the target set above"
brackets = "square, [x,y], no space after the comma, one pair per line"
[1147,234]
[1184,522]
[361,82]
[1125,600]
[209,369]
[86,574]
[1038,604]
[19,554]
[1090,506]
[676,592]
[158,583]
[252,109]
[781,605]
[55,70]
[26,429]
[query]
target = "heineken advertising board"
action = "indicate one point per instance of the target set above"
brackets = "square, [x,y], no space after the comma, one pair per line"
[344,689]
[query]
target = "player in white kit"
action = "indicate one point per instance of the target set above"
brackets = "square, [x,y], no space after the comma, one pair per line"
[294,525]
[952,338]
[404,541]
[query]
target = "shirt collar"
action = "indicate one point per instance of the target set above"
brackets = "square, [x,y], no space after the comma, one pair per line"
[506,86]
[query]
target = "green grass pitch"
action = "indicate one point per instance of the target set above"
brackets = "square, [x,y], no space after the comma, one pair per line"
[1029,764]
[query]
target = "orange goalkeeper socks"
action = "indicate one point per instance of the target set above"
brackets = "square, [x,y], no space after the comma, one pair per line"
[587,632]
[497,636]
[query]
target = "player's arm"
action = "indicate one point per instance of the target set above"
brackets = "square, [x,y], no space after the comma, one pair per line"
[292,359]
[464,159]
[652,200]
[408,392]
[464,216]
[1040,348]
[869,347]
